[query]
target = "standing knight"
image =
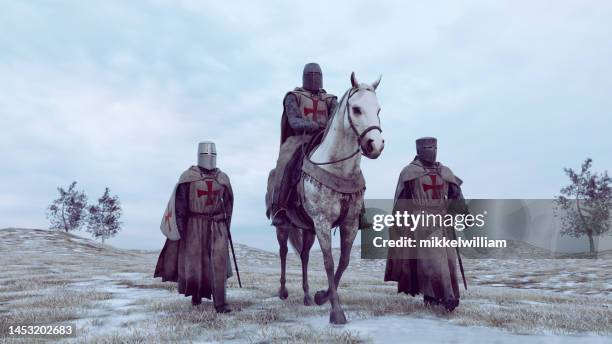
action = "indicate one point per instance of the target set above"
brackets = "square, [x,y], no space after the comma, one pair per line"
[196,222]
[307,110]
[426,186]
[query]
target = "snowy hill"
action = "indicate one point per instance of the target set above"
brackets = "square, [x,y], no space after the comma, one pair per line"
[51,277]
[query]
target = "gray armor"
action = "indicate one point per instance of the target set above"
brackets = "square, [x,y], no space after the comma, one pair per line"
[207,155]
[312,77]
[427,149]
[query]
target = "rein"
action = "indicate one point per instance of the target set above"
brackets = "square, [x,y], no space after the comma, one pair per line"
[350,93]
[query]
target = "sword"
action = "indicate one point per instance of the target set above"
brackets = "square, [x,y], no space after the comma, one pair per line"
[229,236]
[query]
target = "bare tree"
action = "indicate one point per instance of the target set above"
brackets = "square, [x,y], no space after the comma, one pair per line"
[103,220]
[67,212]
[585,204]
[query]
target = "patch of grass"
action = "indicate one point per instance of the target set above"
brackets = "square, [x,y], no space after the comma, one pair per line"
[170,286]
[555,314]
[303,334]
[32,290]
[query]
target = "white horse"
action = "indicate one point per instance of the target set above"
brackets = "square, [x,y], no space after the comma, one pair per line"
[333,185]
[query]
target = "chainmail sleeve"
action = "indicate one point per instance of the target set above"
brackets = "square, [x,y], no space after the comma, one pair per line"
[407,191]
[228,202]
[181,207]
[298,123]
[458,204]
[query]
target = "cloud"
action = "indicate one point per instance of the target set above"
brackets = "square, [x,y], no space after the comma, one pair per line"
[115,94]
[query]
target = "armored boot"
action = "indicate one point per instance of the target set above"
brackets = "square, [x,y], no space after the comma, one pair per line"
[195,300]
[430,301]
[223,309]
[219,300]
[450,305]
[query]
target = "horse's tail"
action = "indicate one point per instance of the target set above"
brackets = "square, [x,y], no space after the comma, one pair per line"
[295,239]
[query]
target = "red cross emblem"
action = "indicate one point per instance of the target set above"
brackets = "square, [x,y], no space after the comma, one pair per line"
[313,111]
[435,188]
[209,193]
[167,217]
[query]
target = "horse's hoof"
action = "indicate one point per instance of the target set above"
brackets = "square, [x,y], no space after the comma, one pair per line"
[283,293]
[337,317]
[308,300]
[321,297]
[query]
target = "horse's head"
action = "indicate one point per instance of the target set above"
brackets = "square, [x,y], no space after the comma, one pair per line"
[363,117]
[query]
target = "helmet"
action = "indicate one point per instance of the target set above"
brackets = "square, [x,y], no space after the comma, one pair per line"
[312,77]
[427,149]
[207,155]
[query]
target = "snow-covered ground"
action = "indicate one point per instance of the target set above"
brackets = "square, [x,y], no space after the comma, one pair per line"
[397,329]
[110,295]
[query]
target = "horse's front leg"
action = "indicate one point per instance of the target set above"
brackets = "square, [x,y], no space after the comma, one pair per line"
[282,235]
[308,239]
[323,230]
[348,232]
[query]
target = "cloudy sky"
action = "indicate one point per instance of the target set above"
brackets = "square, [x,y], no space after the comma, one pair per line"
[119,94]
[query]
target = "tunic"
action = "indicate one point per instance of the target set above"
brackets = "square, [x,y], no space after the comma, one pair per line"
[199,260]
[428,271]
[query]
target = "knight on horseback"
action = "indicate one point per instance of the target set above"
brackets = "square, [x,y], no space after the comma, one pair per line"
[327,185]
[307,110]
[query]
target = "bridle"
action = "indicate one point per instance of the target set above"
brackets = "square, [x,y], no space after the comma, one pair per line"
[360,136]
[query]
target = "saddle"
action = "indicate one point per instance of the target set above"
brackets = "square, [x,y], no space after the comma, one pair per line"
[290,208]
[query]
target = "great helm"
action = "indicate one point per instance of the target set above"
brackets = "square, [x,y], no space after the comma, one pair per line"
[312,77]
[207,155]
[427,149]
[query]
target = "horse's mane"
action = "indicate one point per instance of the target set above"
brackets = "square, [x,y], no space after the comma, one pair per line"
[331,119]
